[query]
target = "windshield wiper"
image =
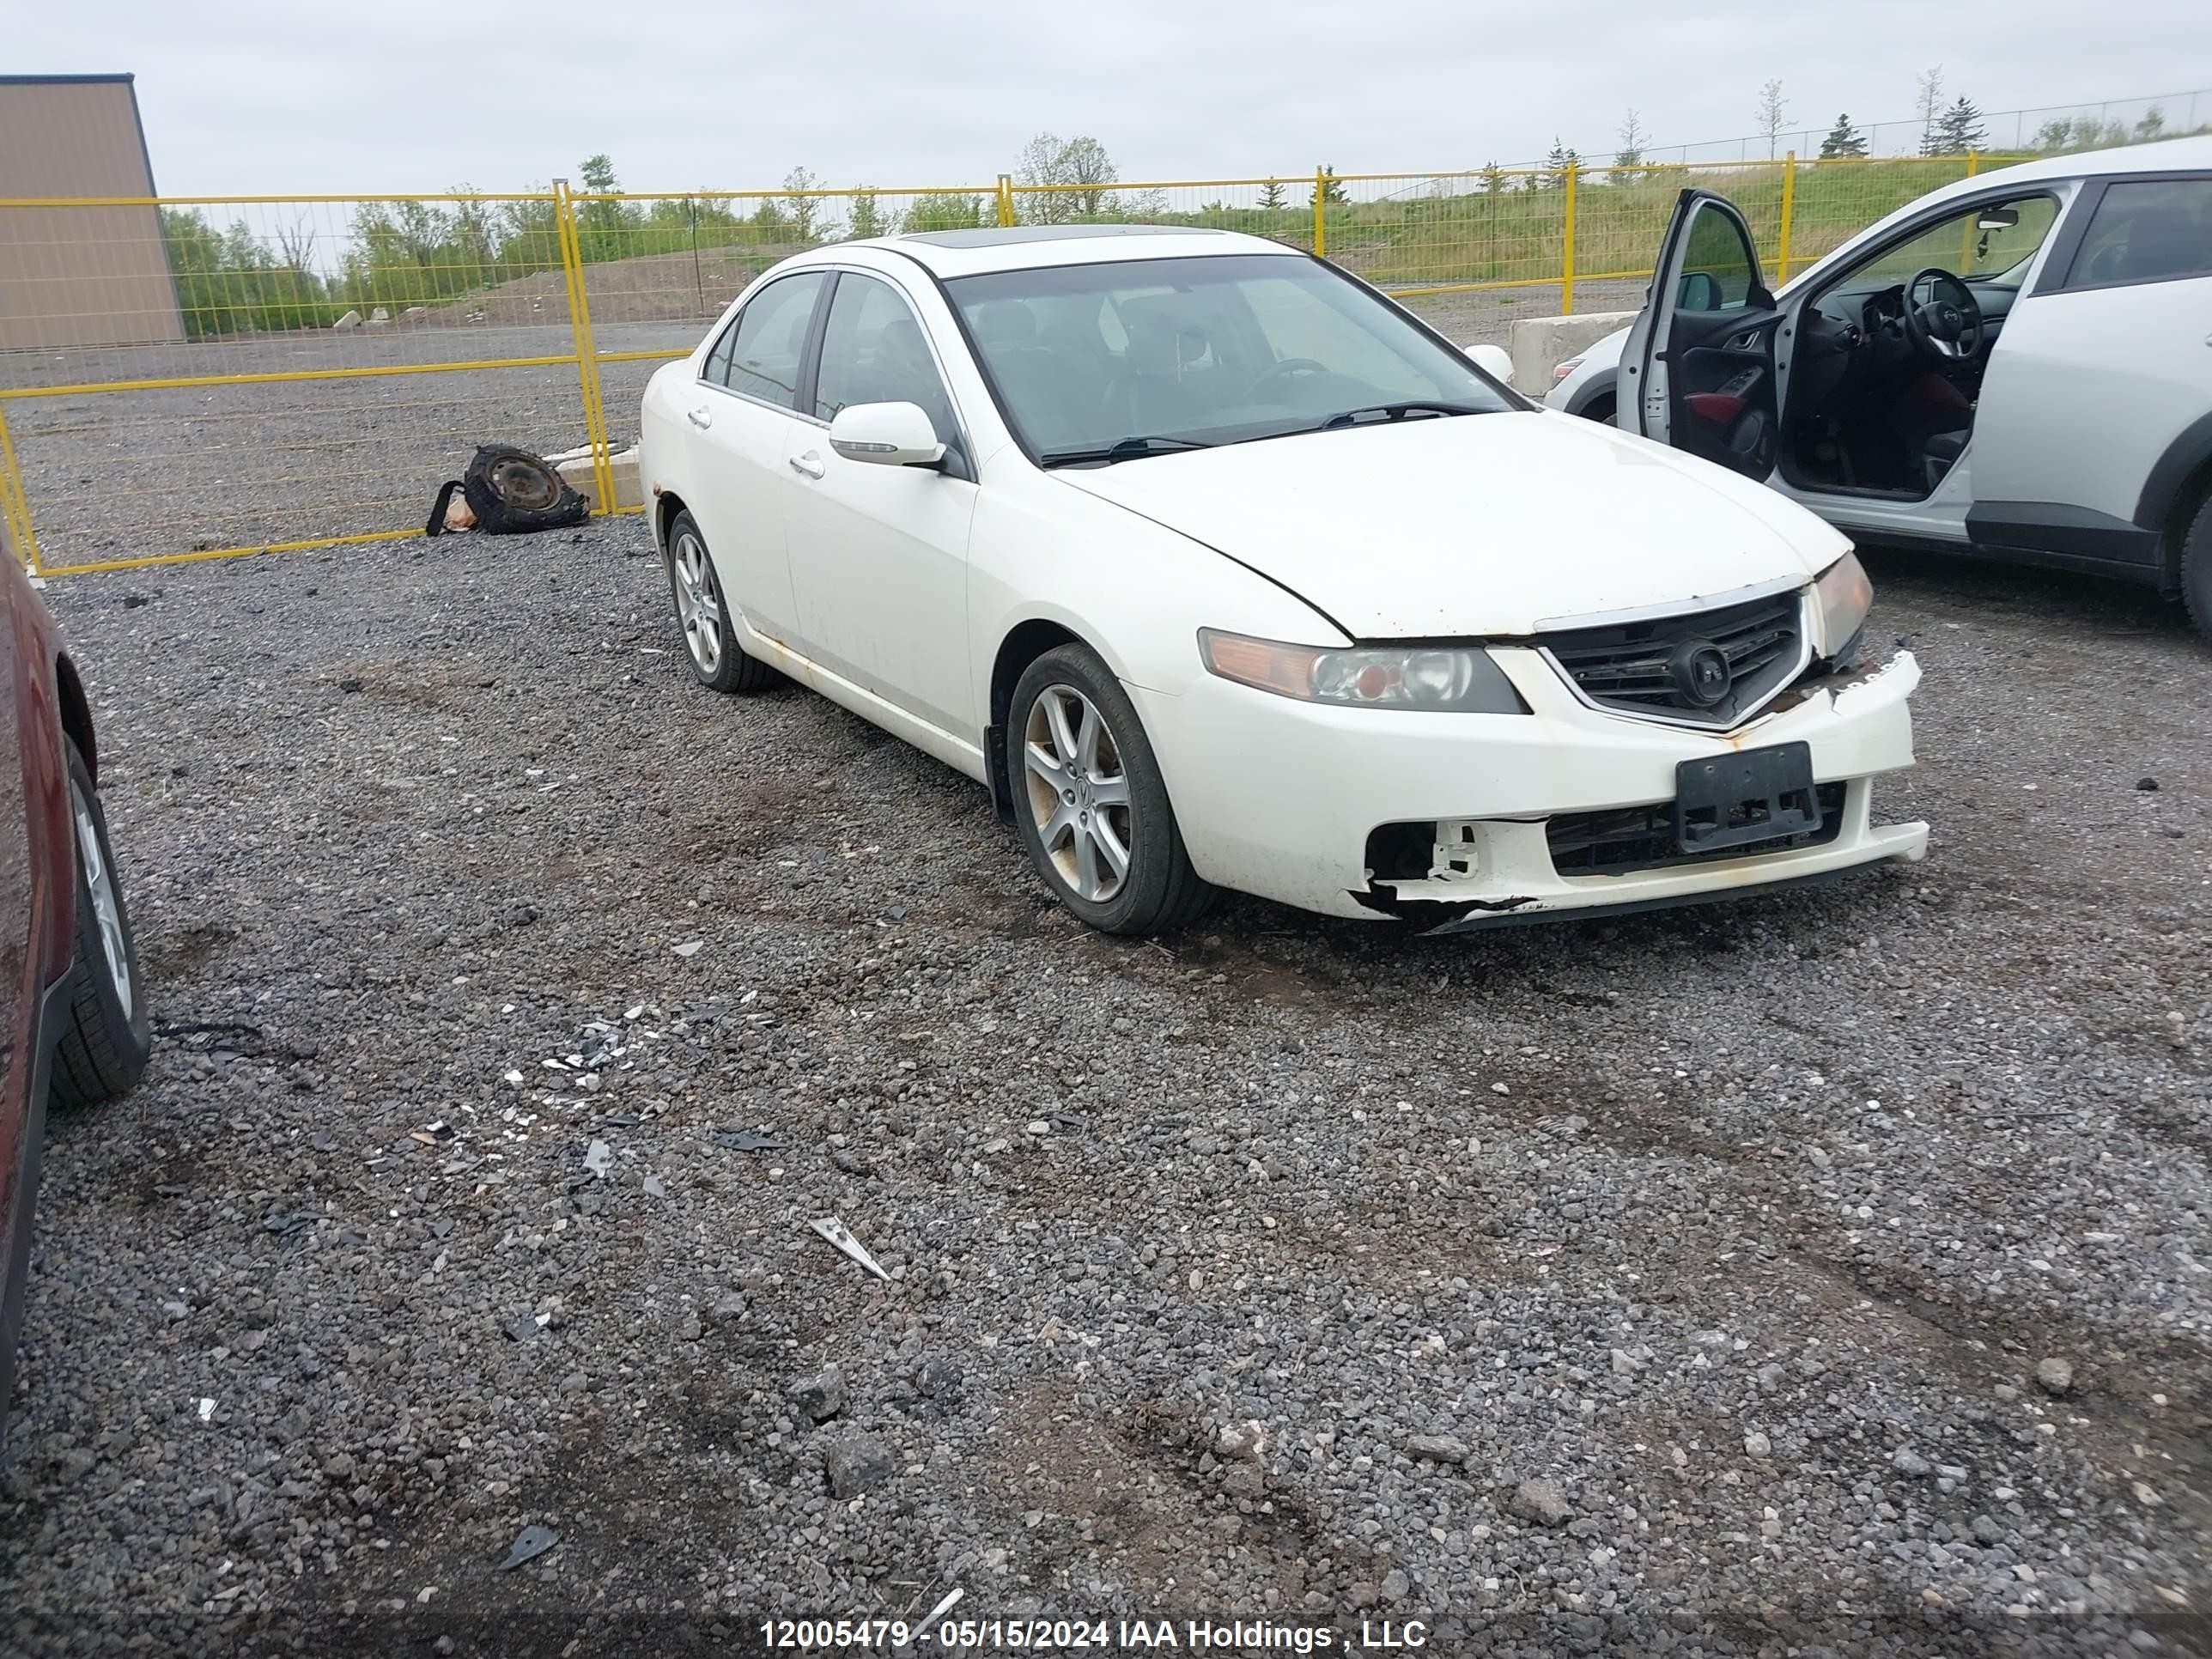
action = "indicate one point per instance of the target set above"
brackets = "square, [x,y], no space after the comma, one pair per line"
[1128,449]
[1399,411]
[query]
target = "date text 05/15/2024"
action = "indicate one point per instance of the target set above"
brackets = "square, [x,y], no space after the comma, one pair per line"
[1076,1635]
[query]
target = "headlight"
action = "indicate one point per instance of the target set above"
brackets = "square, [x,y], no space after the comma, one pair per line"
[1460,679]
[1846,596]
[1566,369]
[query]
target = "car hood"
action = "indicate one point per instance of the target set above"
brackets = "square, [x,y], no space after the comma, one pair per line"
[1480,525]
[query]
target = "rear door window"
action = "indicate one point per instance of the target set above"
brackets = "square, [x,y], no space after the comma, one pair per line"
[760,354]
[2146,231]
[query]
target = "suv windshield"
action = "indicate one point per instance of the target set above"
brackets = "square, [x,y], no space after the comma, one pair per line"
[1091,361]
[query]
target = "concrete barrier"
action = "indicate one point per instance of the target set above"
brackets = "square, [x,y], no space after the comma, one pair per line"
[1540,345]
[574,467]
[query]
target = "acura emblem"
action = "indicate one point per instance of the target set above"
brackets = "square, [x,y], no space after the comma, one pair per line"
[1701,674]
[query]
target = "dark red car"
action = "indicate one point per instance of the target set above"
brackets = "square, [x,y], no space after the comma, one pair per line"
[73,1021]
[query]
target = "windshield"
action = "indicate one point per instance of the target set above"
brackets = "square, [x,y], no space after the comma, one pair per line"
[1194,352]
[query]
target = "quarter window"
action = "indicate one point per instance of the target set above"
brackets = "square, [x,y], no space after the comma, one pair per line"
[2150,231]
[760,353]
[874,351]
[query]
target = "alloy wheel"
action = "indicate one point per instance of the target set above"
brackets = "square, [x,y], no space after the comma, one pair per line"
[107,908]
[1079,794]
[698,602]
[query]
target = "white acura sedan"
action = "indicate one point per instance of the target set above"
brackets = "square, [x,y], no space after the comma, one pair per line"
[1222,571]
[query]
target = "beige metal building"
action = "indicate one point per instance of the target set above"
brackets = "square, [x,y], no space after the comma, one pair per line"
[89,275]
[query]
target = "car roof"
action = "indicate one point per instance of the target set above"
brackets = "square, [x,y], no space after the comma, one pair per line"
[1025,247]
[2189,155]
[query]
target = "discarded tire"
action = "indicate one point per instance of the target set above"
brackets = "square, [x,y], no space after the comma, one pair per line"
[511,492]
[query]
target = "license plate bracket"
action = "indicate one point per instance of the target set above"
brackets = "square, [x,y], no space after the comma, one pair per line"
[1753,795]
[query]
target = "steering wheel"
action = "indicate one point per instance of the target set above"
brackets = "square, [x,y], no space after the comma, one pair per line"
[1282,371]
[1947,327]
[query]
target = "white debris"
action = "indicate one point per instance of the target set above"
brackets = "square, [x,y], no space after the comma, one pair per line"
[836,1231]
[691,947]
[207,1410]
[597,1158]
[351,320]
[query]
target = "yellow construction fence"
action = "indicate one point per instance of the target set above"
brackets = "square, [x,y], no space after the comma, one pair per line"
[197,378]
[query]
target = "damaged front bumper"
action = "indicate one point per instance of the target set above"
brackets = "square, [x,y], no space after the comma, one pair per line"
[1457,822]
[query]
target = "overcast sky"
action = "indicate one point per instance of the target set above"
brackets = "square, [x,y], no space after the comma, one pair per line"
[270,96]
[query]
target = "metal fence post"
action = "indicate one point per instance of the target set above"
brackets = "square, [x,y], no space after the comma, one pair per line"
[1005,201]
[15,500]
[580,331]
[1567,255]
[1788,216]
[1320,219]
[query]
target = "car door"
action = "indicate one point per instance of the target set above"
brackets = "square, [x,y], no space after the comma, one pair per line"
[742,418]
[878,553]
[2106,364]
[1697,370]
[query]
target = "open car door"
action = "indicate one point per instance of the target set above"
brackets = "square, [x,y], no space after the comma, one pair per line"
[1699,368]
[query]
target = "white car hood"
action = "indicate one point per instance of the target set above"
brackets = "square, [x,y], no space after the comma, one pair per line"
[1483,524]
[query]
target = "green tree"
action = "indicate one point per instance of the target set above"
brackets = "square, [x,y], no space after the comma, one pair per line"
[945,211]
[1844,140]
[1272,196]
[867,216]
[1494,182]
[1063,179]
[1958,130]
[2152,125]
[1556,165]
[805,211]
[1329,192]
[600,225]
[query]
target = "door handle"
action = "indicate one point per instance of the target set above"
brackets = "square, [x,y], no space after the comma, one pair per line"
[809,464]
[702,417]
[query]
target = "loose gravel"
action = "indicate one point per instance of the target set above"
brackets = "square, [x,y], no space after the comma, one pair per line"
[1824,1274]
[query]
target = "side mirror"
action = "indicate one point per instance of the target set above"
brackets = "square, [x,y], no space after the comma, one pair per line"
[1492,361]
[1700,290]
[889,434]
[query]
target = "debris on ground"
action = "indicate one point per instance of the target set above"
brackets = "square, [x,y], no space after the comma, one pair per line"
[690,947]
[836,1231]
[597,1156]
[822,1395]
[2054,1376]
[854,1463]
[746,1140]
[530,1543]
[1540,1501]
[509,492]
[653,1188]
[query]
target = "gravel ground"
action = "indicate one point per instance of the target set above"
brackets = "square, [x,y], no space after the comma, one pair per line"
[1677,1284]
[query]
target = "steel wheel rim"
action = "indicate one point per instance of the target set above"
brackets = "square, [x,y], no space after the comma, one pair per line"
[698,602]
[1077,791]
[107,906]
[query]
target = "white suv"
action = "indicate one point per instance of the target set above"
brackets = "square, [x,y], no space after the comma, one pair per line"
[2018,365]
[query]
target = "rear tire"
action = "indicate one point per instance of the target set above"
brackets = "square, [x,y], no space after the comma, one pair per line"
[2197,567]
[1091,760]
[107,1036]
[703,615]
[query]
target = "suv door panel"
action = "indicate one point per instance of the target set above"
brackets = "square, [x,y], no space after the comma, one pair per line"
[2096,378]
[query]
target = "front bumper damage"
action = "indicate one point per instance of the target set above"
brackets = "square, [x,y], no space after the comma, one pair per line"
[1286,799]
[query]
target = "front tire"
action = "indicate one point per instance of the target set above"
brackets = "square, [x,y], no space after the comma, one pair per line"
[703,614]
[1090,801]
[2197,567]
[107,1036]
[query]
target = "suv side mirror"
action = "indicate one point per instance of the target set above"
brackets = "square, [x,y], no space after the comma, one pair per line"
[1700,290]
[887,434]
[1492,361]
